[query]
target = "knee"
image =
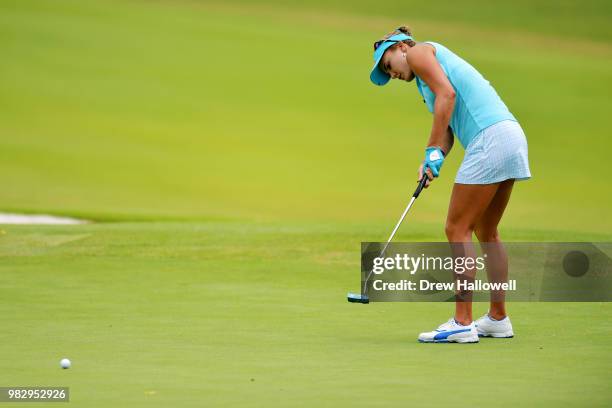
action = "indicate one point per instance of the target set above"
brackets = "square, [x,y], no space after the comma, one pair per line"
[487,234]
[456,232]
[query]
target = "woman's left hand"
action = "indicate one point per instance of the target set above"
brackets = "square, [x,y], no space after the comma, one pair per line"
[434,159]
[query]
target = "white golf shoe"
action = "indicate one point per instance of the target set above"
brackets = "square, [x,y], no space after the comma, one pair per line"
[488,327]
[451,332]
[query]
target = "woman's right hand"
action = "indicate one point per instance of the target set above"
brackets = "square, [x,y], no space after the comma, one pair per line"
[429,176]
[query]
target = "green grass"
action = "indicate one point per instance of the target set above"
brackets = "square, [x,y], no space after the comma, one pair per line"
[142,110]
[243,155]
[234,314]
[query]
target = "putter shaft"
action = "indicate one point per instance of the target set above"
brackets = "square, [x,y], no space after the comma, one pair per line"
[420,187]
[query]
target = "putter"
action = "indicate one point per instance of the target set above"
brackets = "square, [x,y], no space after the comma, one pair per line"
[363,297]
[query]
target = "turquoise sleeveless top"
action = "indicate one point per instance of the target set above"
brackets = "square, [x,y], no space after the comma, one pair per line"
[477,105]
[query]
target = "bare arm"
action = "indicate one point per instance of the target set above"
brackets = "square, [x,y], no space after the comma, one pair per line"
[423,63]
[447,143]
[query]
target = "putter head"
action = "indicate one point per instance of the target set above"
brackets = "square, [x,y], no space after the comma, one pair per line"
[358,298]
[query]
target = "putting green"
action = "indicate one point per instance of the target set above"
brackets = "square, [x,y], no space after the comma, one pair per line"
[234,314]
[235,155]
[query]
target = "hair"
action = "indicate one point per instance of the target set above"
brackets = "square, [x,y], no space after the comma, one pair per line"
[405,30]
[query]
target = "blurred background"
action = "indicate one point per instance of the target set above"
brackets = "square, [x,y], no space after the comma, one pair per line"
[263,110]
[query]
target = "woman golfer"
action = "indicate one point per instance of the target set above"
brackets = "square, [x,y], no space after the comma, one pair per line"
[464,105]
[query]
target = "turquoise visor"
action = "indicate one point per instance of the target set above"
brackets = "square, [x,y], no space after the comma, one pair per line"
[377,76]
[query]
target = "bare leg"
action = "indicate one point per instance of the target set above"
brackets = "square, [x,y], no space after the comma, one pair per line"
[490,242]
[467,205]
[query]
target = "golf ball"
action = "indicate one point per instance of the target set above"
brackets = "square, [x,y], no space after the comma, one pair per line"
[65,363]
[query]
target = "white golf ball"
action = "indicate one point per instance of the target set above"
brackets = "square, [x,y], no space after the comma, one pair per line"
[65,363]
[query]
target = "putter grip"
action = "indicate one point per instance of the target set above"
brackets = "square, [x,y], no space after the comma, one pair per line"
[420,186]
